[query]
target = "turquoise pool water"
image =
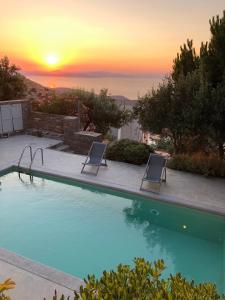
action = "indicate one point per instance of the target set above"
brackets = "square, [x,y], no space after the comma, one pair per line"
[82,230]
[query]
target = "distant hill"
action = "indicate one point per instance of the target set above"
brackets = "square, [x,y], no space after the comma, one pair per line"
[36,90]
[124,101]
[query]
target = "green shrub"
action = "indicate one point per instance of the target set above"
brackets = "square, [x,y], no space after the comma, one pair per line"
[165,144]
[129,151]
[198,163]
[12,85]
[143,282]
[64,104]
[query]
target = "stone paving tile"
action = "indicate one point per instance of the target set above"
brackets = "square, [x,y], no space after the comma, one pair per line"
[28,285]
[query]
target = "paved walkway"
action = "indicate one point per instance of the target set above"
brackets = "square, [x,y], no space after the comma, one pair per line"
[181,188]
[34,281]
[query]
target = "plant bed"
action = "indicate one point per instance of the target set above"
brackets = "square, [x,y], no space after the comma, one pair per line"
[129,151]
[199,164]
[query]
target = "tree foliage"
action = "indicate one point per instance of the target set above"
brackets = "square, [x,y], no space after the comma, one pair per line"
[172,106]
[191,102]
[62,104]
[103,112]
[212,56]
[97,111]
[143,282]
[12,84]
[212,53]
[186,61]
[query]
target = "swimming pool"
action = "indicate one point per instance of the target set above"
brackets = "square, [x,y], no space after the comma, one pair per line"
[81,229]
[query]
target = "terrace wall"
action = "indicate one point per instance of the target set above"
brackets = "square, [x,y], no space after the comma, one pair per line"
[52,123]
[66,126]
[81,141]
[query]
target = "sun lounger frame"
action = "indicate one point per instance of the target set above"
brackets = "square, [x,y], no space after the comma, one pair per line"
[162,177]
[100,162]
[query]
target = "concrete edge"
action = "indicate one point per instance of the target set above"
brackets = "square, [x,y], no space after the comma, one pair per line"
[6,170]
[169,199]
[51,274]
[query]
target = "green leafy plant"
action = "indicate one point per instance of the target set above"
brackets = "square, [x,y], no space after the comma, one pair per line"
[12,84]
[55,297]
[103,112]
[5,286]
[129,151]
[198,163]
[165,144]
[63,104]
[144,282]
[191,101]
[96,111]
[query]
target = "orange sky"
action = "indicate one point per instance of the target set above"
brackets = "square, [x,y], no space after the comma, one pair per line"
[126,36]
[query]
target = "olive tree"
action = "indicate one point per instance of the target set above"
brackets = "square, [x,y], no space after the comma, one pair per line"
[103,111]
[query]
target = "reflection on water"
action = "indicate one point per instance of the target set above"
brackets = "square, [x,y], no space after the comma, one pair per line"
[189,241]
[128,87]
[31,182]
[83,229]
[180,219]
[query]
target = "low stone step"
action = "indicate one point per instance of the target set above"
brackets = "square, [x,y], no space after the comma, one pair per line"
[63,147]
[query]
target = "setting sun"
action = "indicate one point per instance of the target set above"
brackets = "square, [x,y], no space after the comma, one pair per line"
[52,60]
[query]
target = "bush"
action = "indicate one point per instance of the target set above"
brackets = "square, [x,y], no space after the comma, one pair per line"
[64,104]
[198,163]
[99,112]
[143,282]
[129,151]
[165,144]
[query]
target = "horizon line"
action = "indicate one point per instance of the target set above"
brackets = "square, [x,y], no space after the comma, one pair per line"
[95,74]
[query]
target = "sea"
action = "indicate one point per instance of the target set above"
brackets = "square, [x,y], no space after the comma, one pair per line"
[130,87]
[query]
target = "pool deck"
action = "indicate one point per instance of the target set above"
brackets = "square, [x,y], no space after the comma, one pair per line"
[34,280]
[181,188]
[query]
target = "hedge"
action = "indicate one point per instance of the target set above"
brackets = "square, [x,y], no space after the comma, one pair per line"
[199,164]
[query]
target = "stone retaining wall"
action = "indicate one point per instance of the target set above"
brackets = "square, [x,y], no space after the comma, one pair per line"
[67,126]
[26,109]
[80,142]
[48,122]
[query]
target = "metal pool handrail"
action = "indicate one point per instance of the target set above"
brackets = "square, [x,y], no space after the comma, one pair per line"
[34,155]
[21,156]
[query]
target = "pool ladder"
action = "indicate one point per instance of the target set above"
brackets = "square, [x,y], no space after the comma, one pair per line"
[32,155]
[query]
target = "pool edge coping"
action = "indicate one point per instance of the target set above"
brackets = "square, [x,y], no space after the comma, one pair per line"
[166,198]
[150,195]
[41,270]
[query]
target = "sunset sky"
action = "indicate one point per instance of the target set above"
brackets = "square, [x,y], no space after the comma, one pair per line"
[121,36]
